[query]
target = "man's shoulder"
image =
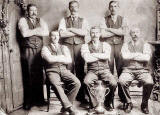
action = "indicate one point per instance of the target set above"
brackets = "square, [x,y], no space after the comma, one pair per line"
[22,19]
[85,45]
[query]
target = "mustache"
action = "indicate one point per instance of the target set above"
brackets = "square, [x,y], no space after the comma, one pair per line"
[34,14]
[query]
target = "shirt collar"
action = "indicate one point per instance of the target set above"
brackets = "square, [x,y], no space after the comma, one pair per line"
[74,16]
[114,18]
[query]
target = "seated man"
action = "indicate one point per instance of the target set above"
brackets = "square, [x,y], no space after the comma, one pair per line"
[97,54]
[136,55]
[57,57]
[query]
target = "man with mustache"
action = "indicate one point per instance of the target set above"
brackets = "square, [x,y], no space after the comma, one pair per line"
[32,29]
[136,55]
[57,57]
[114,29]
[72,31]
[97,55]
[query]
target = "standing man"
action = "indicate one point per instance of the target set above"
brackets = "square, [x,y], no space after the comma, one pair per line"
[72,30]
[136,55]
[57,57]
[113,31]
[97,55]
[32,29]
[114,28]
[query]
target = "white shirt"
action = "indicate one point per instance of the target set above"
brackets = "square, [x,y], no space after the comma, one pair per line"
[26,32]
[103,22]
[62,25]
[146,54]
[106,50]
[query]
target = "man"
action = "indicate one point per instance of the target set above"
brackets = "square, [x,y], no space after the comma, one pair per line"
[32,29]
[114,28]
[72,31]
[57,57]
[136,55]
[97,54]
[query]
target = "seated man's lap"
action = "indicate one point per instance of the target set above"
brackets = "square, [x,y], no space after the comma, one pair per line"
[66,75]
[145,78]
[54,78]
[126,77]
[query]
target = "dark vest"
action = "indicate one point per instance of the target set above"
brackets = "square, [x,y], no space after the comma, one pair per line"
[33,41]
[74,24]
[136,64]
[110,24]
[55,66]
[100,64]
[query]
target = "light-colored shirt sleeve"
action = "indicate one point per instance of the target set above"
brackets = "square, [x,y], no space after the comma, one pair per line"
[26,32]
[126,54]
[103,23]
[107,49]
[84,50]
[64,58]
[146,55]
[62,25]
[45,52]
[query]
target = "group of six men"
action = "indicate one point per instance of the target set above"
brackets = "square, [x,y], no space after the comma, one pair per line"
[66,60]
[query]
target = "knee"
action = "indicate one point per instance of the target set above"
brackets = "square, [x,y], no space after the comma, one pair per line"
[113,83]
[77,83]
[121,82]
[86,82]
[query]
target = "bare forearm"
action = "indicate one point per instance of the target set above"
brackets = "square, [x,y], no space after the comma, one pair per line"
[102,56]
[67,34]
[90,59]
[106,34]
[119,32]
[37,32]
[142,58]
[79,32]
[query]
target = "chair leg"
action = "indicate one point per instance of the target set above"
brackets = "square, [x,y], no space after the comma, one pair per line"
[48,96]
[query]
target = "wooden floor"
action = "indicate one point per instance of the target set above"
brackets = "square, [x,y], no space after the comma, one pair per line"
[55,107]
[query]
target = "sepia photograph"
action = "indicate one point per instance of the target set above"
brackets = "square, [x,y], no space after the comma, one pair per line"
[79,57]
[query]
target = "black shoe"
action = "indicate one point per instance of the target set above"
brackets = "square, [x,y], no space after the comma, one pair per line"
[129,107]
[91,111]
[109,107]
[144,108]
[27,107]
[71,111]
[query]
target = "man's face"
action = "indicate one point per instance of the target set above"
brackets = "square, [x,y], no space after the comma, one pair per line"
[95,34]
[113,8]
[135,34]
[74,7]
[54,37]
[33,12]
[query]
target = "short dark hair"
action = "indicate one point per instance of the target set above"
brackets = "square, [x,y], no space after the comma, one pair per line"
[113,1]
[74,1]
[31,5]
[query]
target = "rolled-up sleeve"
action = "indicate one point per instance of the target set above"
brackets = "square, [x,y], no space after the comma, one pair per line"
[62,25]
[45,52]
[107,50]
[85,25]
[84,50]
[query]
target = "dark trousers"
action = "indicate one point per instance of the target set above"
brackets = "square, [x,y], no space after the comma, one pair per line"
[72,85]
[77,67]
[104,75]
[142,76]
[32,70]
[116,54]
